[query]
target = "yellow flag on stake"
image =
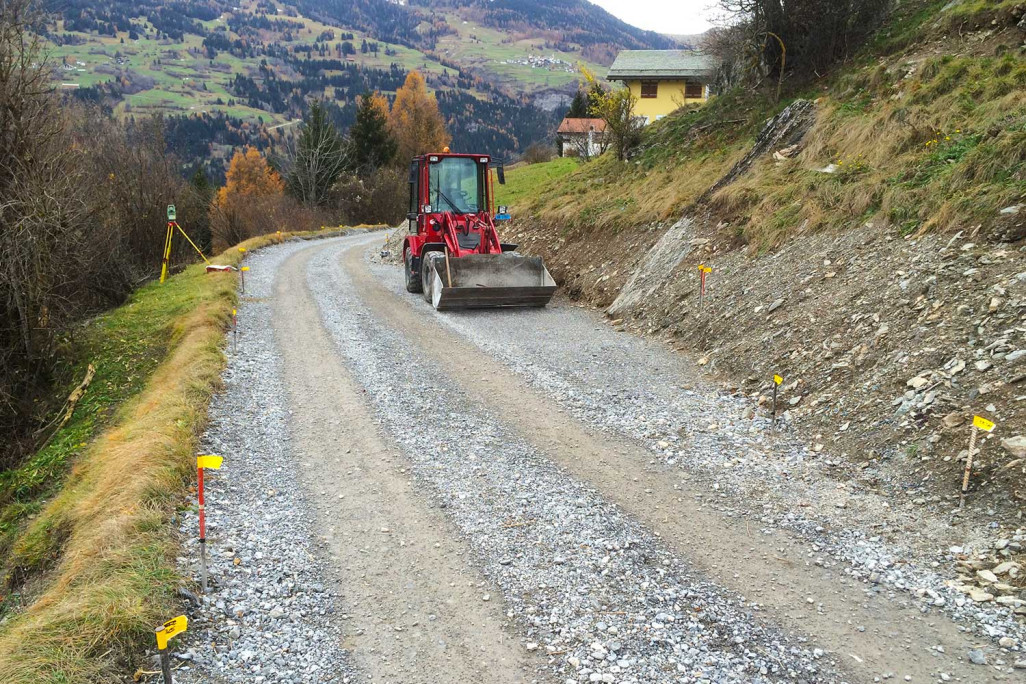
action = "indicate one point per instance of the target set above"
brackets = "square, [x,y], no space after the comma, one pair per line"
[209,462]
[777,379]
[169,629]
[982,423]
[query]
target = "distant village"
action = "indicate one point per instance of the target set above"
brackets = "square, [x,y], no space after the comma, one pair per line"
[539,62]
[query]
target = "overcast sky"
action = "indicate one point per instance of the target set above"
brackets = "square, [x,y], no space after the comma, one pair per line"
[665,16]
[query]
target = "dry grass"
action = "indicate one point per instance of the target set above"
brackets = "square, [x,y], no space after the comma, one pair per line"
[111,524]
[609,195]
[943,150]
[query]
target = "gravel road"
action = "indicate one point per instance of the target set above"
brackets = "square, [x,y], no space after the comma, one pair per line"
[531,496]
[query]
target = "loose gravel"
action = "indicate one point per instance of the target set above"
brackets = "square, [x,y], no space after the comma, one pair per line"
[634,388]
[600,596]
[271,613]
[589,586]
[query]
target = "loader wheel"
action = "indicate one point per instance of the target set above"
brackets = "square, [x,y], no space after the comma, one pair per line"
[413,284]
[426,268]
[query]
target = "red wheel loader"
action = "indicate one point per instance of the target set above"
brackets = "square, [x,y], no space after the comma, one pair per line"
[453,254]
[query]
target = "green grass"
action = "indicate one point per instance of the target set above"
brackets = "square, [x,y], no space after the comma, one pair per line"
[84,524]
[91,539]
[125,345]
[524,183]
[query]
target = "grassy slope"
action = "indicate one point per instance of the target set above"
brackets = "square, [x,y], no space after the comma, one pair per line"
[88,542]
[492,51]
[524,182]
[927,136]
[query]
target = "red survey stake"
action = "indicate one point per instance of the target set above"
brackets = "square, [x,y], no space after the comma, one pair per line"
[203,463]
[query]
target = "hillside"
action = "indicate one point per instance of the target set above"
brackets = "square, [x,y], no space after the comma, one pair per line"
[867,242]
[239,68]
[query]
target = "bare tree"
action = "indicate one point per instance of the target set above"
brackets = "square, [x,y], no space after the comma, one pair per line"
[315,159]
[81,216]
[590,144]
[803,37]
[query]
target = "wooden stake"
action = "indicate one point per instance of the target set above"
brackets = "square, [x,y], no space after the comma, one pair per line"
[448,274]
[165,633]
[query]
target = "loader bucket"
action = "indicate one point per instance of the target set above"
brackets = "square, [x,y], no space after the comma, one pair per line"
[479,281]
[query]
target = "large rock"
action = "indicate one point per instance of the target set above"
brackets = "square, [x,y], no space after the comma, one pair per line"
[1016,446]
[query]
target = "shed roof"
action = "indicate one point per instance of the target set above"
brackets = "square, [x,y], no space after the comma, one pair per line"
[663,64]
[581,126]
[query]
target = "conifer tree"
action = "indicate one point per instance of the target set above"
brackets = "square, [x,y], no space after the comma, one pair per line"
[371,144]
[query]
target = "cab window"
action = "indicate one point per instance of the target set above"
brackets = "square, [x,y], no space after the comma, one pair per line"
[456,184]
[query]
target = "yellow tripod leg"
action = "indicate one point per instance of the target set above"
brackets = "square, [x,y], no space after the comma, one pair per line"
[165,263]
[191,242]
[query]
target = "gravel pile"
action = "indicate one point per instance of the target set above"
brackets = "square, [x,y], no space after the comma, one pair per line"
[634,388]
[270,615]
[589,586]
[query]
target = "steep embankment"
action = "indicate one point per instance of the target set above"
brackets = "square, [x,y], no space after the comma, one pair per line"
[87,540]
[867,245]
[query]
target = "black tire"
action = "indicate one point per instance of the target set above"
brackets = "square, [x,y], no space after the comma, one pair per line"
[426,269]
[413,283]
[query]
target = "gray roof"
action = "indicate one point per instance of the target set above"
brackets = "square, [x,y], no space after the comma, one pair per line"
[662,64]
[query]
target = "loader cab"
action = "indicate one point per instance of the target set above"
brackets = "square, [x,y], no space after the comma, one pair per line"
[448,183]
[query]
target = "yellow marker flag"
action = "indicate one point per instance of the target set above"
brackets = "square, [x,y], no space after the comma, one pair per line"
[242,249]
[169,629]
[209,462]
[245,268]
[777,379]
[982,423]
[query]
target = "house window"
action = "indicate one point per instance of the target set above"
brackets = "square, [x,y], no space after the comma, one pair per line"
[649,89]
[694,91]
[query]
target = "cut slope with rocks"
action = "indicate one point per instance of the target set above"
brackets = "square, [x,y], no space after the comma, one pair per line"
[876,260]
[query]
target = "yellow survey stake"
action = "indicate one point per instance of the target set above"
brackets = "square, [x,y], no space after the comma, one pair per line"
[209,462]
[169,629]
[982,423]
[245,268]
[777,379]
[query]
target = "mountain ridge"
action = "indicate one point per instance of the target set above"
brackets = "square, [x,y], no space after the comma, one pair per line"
[259,63]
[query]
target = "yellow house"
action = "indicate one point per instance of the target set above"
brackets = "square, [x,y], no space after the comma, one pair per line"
[664,80]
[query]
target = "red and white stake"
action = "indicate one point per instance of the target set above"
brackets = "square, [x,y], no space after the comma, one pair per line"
[202,463]
[702,271]
[202,531]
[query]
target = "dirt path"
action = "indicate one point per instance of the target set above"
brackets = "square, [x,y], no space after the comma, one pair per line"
[475,494]
[418,609]
[872,633]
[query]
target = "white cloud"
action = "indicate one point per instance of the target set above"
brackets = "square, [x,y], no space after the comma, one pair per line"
[664,16]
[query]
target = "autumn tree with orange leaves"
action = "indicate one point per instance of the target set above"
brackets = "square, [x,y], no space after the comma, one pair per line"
[250,201]
[415,121]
